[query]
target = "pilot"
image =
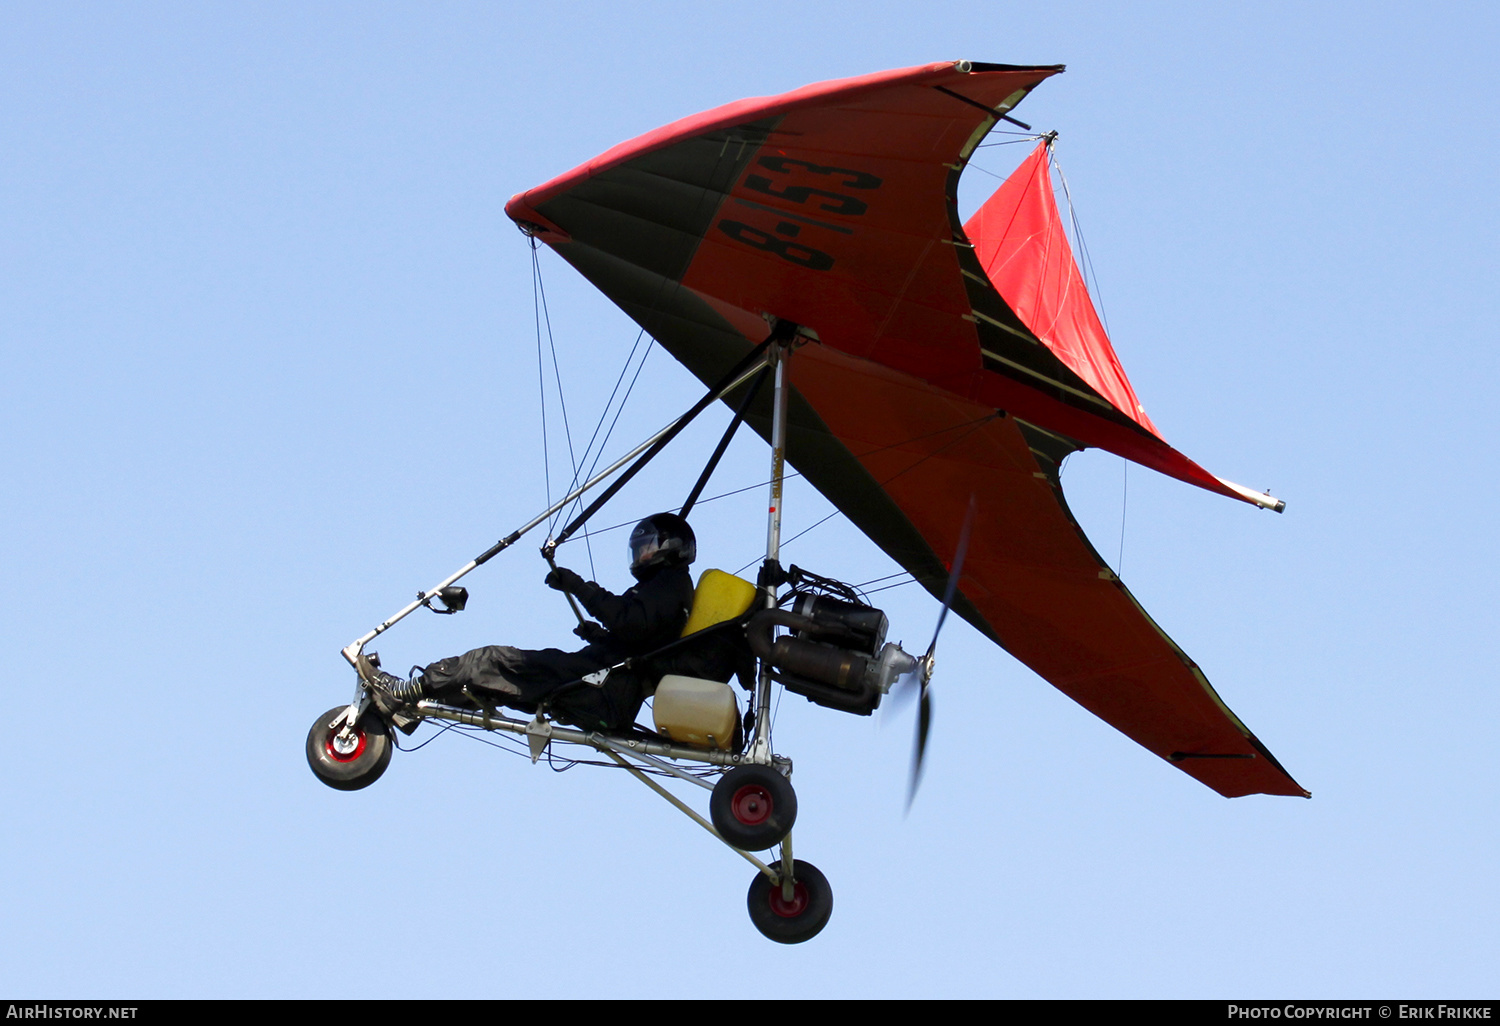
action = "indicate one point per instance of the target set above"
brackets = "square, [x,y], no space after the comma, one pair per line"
[645,618]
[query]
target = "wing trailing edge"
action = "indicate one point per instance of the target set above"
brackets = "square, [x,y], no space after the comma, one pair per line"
[1020,241]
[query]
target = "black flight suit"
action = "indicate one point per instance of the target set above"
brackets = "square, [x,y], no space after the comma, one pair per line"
[645,618]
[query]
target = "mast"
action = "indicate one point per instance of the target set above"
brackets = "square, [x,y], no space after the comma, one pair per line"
[777,357]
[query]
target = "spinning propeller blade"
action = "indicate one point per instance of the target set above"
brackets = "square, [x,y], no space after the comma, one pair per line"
[925,665]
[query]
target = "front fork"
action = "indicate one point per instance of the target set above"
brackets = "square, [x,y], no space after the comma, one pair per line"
[357,707]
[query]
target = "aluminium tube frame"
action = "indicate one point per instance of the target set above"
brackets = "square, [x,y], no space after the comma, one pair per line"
[621,750]
[594,739]
[539,733]
[760,747]
[351,652]
[778,356]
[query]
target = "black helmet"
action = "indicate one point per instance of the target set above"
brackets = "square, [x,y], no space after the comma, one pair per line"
[662,540]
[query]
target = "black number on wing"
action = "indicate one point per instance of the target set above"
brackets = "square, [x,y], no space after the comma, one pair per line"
[840,204]
[851,179]
[802,256]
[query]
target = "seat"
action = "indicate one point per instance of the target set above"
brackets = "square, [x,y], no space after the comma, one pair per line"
[692,710]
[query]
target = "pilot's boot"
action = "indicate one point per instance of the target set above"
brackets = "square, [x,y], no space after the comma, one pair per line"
[393,696]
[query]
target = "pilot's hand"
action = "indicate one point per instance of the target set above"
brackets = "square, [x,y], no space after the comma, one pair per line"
[563,579]
[591,632]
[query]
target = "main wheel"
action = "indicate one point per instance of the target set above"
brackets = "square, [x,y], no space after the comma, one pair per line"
[753,807]
[791,922]
[348,761]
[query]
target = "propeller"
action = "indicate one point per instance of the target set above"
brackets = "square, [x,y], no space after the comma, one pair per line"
[922,674]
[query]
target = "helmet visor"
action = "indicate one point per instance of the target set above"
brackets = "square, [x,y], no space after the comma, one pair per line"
[645,543]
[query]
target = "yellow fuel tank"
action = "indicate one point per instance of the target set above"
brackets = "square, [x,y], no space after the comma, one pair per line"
[719,597]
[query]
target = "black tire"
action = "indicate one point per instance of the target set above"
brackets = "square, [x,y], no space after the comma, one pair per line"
[358,768]
[803,918]
[753,807]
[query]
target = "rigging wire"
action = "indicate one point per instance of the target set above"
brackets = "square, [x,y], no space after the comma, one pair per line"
[443,729]
[505,742]
[541,376]
[867,590]
[582,466]
[543,315]
[579,473]
[723,495]
[888,587]
[992,174]
[1020,137]
[791,475]
[609,403]
[972,425]
[557,763]
[1091,282]
[653,308]
[540,297]
[599,454]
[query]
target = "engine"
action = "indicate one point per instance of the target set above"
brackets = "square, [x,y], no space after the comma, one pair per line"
[836,654]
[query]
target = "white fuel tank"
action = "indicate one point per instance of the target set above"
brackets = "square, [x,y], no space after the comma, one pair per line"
[692,711]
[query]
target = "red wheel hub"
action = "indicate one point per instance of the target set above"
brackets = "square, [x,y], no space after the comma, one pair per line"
[751,805]
[337,756]
[789,909]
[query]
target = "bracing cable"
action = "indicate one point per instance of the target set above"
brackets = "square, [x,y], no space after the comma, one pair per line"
[1091,282]
[544,316]
[972,426]
[583,466]
[541,375]
[792,475]
[599,454]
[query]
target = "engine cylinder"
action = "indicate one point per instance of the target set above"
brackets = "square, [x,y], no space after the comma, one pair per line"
[847,624]
[822,663]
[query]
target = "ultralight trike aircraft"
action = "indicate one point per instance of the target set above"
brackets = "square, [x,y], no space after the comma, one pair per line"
[927,376]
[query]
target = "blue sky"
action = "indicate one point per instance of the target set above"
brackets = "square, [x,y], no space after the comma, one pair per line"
[270,366]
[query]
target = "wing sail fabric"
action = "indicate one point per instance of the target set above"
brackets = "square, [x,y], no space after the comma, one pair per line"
[1019,238]
[834,207]
[1030,575]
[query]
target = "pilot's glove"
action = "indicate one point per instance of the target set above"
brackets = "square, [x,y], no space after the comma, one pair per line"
[563,579]
[591,632]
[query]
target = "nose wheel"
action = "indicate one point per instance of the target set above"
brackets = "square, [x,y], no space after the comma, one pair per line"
[348,758]
[795,918]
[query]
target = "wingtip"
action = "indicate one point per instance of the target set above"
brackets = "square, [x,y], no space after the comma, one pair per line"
[1265,500]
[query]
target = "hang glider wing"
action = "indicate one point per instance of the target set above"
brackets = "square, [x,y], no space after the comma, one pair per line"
[834,207]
